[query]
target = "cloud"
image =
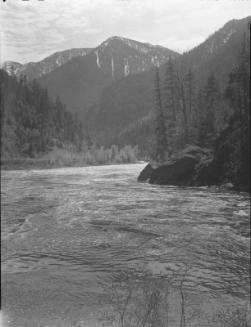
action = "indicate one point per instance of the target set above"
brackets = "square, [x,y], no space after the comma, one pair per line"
[30,30]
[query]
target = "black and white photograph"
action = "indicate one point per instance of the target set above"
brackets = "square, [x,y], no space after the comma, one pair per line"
[125,163]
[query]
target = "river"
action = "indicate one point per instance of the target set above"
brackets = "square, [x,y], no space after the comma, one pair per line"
[66,230]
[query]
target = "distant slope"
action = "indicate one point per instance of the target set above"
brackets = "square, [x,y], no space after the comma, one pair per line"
[217,54]
[45,66]
[121,104]
[80,82]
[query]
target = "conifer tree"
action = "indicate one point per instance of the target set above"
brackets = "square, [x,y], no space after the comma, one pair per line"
[169,106]
[160,128]
[210,104]
[192,110]
[183,105]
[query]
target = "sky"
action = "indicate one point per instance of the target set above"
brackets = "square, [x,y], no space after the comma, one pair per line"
[33,29]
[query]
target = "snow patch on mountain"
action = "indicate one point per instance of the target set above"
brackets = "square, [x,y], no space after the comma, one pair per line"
[97,59]
[211,48]
[112,64]
[225,40]
[11,67]
[126,68]
[136,46]
[156,62]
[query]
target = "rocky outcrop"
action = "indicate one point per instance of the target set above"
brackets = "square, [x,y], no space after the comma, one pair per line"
[181,169]
[226,167]
[178,173]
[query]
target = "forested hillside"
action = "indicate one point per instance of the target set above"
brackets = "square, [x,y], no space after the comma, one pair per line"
[217,54]
[34,126]
[31,123]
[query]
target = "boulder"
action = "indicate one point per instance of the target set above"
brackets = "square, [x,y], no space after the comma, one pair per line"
[180,169]
[146,173]
[179,172]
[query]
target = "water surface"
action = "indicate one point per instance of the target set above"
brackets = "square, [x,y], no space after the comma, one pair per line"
[64,230]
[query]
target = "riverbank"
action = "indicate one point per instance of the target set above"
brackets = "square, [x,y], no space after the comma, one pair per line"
[30,163]
[58,158]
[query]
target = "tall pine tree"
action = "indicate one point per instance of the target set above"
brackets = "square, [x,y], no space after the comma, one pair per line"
[160,128]
[169,105]
[210,100]
[192,109]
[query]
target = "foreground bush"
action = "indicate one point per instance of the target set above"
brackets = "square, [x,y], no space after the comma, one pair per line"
[145,300]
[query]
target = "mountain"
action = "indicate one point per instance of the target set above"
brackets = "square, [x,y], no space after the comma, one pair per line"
[217,54]
[45,66]
[132,98]
[80,82]
[78,76]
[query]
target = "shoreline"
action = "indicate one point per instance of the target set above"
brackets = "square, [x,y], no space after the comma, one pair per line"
[40,164]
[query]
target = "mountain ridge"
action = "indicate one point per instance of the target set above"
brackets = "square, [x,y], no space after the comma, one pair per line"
[80,81]
[59,58]
[37,69]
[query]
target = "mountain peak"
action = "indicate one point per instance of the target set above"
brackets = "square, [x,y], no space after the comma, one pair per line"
[141,47]
[115,37]
[111,40]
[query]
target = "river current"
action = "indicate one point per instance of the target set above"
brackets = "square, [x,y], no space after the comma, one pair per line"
[66,230]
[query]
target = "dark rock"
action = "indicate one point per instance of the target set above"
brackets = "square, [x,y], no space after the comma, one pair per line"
[191,166]
[145,173]
[178,173]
